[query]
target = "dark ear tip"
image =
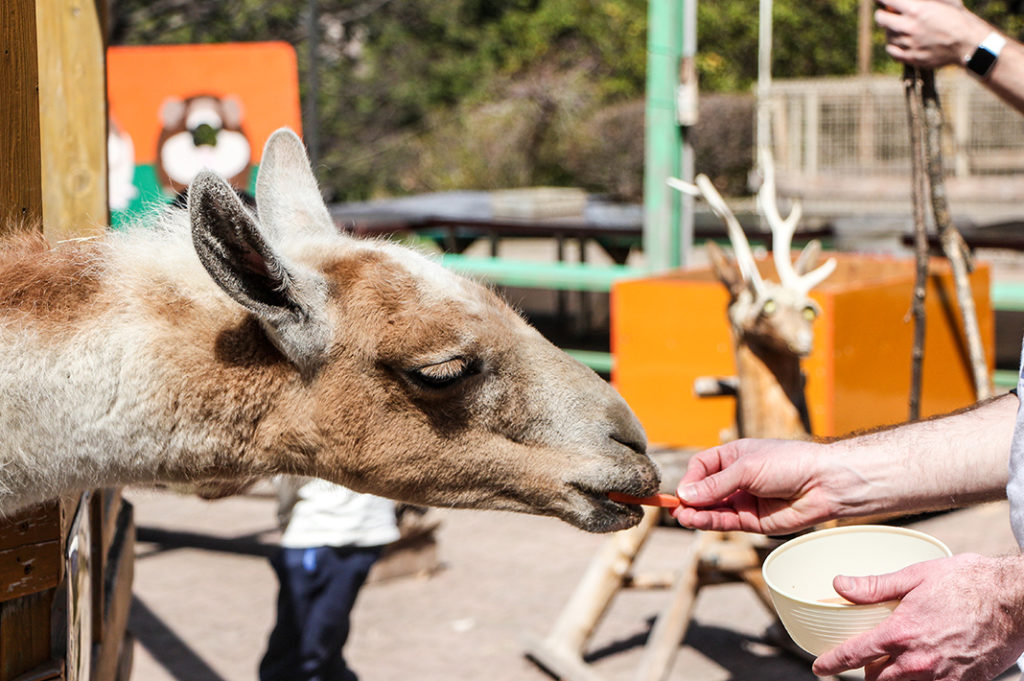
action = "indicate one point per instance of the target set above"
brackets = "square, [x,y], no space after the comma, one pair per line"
[206,185]
[201,185]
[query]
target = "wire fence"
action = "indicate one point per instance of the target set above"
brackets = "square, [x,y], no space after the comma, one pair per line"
[858,127]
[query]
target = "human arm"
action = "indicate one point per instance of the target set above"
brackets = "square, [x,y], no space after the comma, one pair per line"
[780,486]
[959,619]
[934,33]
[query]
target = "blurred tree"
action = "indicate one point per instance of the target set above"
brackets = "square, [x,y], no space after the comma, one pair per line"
[418,94]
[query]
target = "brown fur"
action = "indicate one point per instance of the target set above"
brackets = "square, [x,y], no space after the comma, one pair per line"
[52,287]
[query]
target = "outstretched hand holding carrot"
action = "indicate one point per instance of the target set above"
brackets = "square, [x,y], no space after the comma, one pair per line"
[765,486]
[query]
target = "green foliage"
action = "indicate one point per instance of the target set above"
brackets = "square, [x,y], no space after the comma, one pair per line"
[426,94]
[809,39]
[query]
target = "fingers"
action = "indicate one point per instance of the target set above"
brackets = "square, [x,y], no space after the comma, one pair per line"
[878,588]
[720,518]
[869,649]
[712,475]
[860,651]
[708,462]
[711,489]
[894,24]
[897,7]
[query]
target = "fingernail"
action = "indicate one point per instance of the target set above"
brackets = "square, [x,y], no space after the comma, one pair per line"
[687,492]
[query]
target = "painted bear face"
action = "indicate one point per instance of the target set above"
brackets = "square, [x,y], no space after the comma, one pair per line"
[204,131]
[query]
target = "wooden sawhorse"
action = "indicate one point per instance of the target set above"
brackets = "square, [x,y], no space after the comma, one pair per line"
[712,558]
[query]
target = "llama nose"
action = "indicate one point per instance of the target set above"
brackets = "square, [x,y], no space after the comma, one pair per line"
[638,445]
[625,428]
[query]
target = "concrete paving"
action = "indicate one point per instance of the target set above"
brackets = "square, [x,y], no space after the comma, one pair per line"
[204,599]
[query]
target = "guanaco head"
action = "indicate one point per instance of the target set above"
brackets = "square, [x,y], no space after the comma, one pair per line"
[409,381]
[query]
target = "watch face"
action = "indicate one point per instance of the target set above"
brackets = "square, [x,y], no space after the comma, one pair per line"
[981,61]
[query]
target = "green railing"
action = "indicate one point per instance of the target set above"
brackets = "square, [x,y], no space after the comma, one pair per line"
[571,276]
[559,276]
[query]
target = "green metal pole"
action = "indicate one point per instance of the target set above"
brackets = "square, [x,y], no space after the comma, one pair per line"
[663,139]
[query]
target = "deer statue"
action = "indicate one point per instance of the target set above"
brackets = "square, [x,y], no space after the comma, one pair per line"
[771,325]
[224,344]
[772,322]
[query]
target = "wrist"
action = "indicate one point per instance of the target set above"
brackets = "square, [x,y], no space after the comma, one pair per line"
[846,482]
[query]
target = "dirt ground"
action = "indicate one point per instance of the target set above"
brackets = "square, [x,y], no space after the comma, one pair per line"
[204,599]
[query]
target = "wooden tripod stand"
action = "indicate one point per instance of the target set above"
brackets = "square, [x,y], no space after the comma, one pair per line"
[712,558]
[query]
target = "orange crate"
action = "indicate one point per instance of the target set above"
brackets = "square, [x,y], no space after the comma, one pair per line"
[670,329]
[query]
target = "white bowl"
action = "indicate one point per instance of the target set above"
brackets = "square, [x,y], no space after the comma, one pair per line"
[799,576]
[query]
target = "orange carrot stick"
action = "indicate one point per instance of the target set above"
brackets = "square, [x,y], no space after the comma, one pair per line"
[662,500]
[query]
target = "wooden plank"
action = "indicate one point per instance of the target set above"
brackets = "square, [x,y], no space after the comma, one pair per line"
[117,602]
[52,670]
[33,525]
[72,118]
[20,165]
[106,515]
[25,634]
[29,569]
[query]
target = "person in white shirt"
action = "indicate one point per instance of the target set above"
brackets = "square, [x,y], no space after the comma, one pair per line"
[332,538]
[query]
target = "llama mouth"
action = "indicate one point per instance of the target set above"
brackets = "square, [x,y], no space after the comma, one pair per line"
[604,515]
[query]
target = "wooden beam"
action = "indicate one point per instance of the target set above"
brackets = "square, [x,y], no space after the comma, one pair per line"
[53,167]
[72,117]
[21,199]
[25,634]
[52,170]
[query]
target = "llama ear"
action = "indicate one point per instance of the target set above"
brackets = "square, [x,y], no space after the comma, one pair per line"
[287,196]
[290,305]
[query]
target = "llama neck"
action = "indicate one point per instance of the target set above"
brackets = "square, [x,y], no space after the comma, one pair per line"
[771,401]
[110,403]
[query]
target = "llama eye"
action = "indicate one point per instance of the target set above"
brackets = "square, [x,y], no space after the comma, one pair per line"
[769,307]
[810,314]
[443,374]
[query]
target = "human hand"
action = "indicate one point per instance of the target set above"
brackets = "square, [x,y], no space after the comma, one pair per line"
[959,619]
[930,33]
[766,486]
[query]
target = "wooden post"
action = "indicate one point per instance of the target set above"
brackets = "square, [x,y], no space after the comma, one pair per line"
[72,118]
[21,199]
[53,172]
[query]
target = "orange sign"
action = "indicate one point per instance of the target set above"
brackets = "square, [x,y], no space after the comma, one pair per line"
[262,76]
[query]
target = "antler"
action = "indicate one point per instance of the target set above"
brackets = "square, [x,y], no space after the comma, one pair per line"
[782,232]
[740,245]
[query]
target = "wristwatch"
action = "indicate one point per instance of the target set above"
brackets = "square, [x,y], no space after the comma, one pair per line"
[985,55]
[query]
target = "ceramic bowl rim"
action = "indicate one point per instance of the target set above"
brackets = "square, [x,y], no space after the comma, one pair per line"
[848,529]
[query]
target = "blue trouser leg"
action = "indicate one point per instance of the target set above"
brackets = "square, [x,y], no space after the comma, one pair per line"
[318,589]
